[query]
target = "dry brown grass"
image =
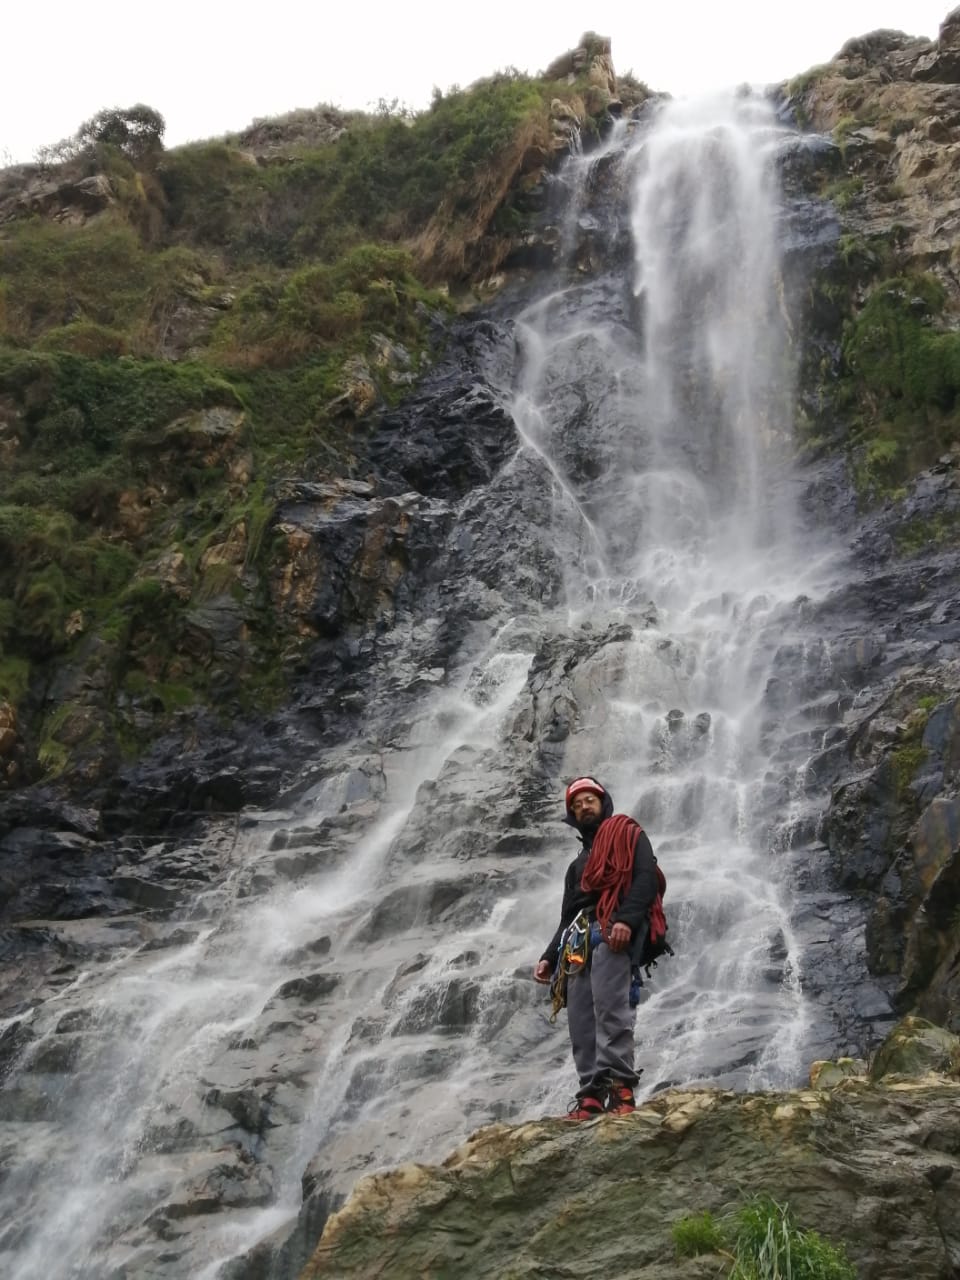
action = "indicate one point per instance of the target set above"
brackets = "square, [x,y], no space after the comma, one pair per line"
[455,245]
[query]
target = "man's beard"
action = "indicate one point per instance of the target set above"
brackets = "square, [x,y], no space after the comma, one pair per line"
[588,823]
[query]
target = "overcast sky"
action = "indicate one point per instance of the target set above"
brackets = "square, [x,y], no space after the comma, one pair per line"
[211,67]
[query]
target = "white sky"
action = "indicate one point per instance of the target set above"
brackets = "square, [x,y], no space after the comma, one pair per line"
[210,66]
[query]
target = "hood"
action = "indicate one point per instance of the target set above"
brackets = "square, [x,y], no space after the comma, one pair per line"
[606,803]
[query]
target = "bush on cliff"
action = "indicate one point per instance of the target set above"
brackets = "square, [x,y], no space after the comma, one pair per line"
[95,289]
[137,132]
[760,1241]
[902,361]
[904,371]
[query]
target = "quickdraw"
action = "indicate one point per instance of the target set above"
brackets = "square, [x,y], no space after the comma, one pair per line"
[574,953]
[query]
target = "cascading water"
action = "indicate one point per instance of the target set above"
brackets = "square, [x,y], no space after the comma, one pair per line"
[682,501]
[359,985]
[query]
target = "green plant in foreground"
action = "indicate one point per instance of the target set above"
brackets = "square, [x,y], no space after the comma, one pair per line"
[762,1243]
[771,1247]
[699,1233]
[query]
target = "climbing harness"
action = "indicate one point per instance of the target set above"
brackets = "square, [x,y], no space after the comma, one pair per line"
[575,943]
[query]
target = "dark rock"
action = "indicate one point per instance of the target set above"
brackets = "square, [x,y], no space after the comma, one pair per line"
[942,63]
[313,986]
[250,1110]
[284,1254]
[146,893]
[13,1040]
[176,938]
[402,907]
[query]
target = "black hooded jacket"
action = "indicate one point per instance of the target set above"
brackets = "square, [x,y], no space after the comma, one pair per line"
[635,905]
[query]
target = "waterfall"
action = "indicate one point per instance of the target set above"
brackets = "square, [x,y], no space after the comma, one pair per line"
[671,499]
[632,583]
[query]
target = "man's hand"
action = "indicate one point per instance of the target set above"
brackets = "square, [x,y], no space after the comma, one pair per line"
[620,937]
[543,972]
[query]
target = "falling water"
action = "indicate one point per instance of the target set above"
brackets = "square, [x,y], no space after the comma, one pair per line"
[651,404]
[674,502]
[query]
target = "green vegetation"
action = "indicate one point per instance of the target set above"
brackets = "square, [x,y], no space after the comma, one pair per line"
[799,85]
[697,1234]
[943,529]
[906,376]
[899,383]
[896,352]
[204,324]
[842,130]
[436,179]
[761,1242]
[323,307]
[135,132]
[906,760]
[843,191]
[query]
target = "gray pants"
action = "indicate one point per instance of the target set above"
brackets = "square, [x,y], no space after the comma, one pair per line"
[601,1020]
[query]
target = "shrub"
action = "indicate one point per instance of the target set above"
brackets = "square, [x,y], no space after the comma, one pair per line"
[41,609]
[894,349]
[14,678]
[762,1242]
[85,338]
[208,188]
[137,132]
[699,1233]
[53,272]
[770,1247]
[389,175]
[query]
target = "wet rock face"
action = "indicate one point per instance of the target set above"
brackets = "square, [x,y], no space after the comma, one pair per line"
[891,825]
[550,1196]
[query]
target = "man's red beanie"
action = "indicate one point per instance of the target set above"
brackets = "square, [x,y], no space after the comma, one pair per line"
[583,784]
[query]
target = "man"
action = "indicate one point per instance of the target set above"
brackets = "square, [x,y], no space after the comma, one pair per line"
[608,891]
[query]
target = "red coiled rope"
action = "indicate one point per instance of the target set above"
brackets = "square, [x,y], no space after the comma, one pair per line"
[609,868]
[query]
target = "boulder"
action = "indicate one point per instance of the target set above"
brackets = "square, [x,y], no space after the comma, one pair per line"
[942,63]
[827,1075]
[63,196]
[914,1048]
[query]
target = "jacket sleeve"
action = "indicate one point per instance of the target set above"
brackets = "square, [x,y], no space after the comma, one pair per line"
[643,889]
[552,952]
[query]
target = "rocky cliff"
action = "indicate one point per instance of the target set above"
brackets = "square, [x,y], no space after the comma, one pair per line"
[879,392]
[871,1166]
[273,571]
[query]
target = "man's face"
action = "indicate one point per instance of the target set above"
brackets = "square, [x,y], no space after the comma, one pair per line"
[586,807]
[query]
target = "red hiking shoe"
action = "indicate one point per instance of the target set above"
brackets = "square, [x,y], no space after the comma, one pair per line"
[620,1100]
[586,1108]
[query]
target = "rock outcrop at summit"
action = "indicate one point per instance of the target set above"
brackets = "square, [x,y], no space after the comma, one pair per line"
[891,104]
[873,1166]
